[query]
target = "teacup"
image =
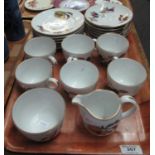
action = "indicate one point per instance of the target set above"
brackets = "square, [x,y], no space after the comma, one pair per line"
[111,46]
[35,72]
[77,46]
[101,110]
[38,114]
[126,75]
[79,77]
[41,47]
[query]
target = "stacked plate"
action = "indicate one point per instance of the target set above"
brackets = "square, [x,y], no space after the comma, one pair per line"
[108,17]
[80,5]
[38,5]
[58,23]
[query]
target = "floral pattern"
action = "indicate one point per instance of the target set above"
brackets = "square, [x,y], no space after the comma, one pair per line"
[32,3]
[123,18]
[95,15]
[63,15]
[41,28]
[103,130]
[106,10]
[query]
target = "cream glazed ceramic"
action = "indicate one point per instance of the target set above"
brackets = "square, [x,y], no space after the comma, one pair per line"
[110,15]
[57,21]
[35,72]
[79,77]
[101,110]
[41,47]
[126,75]
[80,5]
[38,5]
[77,46]
[111,46]
[100,2]
[39,113]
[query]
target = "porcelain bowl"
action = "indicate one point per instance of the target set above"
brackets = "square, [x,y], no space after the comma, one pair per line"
[38,114]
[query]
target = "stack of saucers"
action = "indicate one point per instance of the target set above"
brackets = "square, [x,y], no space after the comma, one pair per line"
[108,17]
[58,23]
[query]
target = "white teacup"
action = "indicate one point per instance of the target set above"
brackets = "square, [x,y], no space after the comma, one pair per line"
[101,110]
[41,47]
[126,75]
[77,46]
[35,72]
[79,77]
[112,45]
[38,114]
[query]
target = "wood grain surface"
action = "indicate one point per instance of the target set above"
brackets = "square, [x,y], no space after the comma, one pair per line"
[16,55]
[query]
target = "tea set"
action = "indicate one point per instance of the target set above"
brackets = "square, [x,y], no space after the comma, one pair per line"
[39,112]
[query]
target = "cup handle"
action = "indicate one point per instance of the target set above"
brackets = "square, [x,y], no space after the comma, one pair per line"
[71,59]
[115,58]
[94,39]
[52,59]
[53,83]
[128,99]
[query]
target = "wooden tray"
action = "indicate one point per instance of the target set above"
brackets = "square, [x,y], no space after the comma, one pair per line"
[74,139]
[15,56]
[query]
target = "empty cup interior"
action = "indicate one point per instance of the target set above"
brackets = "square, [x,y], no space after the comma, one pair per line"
[127,72]
[78,44]
[113,43]
[79,74]
[40,47]
[33,71]
[38,110]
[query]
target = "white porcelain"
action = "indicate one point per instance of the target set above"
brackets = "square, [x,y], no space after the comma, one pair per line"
[38,5]
[79,77]
[101,110]
[100,2]
[35,72]
[57,21]
[112,45]
[78,46]
[41,47]
[58,38]
[38,114]
[80,5]
[126,75]
[110,15]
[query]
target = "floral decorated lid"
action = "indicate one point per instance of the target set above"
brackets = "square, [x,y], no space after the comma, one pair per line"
[109,14]
[58,21]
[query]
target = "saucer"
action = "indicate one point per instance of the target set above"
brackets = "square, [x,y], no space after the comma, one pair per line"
[38,5]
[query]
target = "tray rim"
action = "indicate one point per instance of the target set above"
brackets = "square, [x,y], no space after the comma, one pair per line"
[145,63]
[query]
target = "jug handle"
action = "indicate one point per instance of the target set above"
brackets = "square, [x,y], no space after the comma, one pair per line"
[129,99]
